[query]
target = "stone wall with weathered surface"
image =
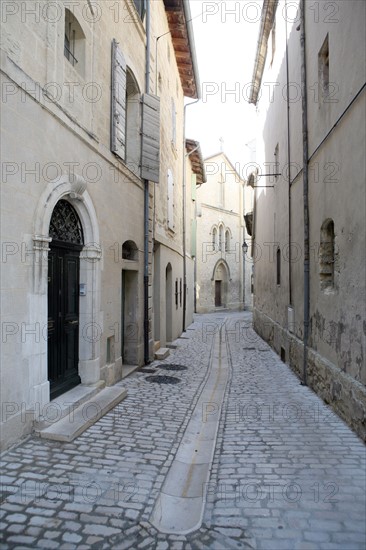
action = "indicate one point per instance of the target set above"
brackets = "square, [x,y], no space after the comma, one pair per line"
[336,131]
[56,129]
[337,388]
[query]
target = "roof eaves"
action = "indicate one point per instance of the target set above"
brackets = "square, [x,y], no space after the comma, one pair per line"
[267,18]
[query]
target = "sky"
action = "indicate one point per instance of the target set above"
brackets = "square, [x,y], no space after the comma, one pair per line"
[226,34]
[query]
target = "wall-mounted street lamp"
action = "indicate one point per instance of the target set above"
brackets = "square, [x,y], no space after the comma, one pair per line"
[244,248]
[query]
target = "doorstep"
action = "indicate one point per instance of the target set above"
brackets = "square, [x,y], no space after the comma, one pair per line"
[81,417]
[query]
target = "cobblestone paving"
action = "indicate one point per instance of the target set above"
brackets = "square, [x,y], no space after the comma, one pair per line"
[287,473]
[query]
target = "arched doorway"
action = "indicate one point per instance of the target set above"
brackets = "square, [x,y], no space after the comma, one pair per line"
[169,302]
[63,298]
[221,281]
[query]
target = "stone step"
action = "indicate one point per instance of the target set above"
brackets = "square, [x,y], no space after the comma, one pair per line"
[84,416]
[60,407]
[161,354]
[156,345]
[172,345]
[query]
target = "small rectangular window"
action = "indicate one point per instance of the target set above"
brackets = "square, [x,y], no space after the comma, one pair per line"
[323,65]
[278,266]
[176,293]
[180,292]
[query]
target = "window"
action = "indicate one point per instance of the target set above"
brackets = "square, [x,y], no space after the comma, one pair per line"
[140,6]
[214,239]
[278,266]
[277,161]
[323,64]
[170,182]
[326,255]
[180,292]
[129,251]
[133,124]
[176,293]
[74,44]
[227,241]
[134,118]
[221,237]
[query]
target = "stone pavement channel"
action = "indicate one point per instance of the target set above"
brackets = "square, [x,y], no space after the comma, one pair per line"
[287,473]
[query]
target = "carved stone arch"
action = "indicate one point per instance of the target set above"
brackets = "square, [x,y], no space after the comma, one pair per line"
[217,265]
[73,190]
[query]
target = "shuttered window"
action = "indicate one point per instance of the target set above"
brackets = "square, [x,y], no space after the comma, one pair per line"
[118,114]
[150,157]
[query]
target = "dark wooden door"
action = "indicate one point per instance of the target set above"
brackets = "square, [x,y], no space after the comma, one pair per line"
[63,318]
[217,293]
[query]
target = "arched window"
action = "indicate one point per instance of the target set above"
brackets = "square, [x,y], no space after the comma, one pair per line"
[74,43]
[214,239]
[221,237]
[326,255]
[227,241]
[129,251]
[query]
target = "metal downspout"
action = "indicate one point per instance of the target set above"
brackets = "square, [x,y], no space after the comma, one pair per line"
[305,190]
[146,205]
[184,214]
[289,168]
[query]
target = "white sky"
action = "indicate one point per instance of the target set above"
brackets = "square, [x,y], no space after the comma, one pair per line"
[225,48]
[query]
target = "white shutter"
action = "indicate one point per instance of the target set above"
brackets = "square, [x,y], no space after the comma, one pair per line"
[170,185]
[118,111]
[150,154]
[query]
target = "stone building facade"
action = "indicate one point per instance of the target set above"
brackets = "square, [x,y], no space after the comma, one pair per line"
[87,127]
[309,214]
[223,272]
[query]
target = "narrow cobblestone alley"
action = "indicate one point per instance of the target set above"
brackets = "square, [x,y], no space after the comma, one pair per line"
[287,473]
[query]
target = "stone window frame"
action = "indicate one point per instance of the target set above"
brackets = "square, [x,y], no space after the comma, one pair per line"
[74,50]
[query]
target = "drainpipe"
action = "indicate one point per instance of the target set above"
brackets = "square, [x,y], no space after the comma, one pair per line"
[184,212]
[289,168]
[305,189]
[244,289]
[146,205]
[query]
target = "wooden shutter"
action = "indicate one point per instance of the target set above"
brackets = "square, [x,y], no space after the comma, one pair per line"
[170,185]
[118,114]
[150,154]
